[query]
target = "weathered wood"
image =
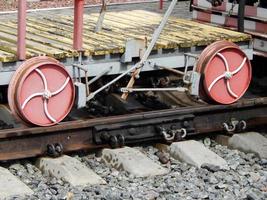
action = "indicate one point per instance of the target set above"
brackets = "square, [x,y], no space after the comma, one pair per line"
[52,36]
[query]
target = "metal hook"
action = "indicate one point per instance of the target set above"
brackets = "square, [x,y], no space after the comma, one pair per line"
[168,136]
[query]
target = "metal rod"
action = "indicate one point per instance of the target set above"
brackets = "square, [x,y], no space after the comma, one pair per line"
[91,95]
[21,44]
[86,84]
[79,75]
[155,37]
[145,56]
[179,89]
[160,4]
[78,25]
[192,55]
[175,71]
[101,17]
[74,73]
[79,68]
[99,75]
[157,33]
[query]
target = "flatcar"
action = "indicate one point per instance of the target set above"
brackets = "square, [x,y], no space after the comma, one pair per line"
[49,69]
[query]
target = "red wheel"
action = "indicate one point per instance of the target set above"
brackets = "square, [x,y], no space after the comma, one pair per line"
[226,72]
[41,92]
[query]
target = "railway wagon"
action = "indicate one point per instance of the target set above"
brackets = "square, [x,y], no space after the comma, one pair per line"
[249,16]
[42,89]
[76,80]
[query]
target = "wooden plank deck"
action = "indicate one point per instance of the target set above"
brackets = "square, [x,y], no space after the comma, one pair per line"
[52,35]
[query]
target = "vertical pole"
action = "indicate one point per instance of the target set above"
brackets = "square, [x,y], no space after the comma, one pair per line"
[21,34]
[78,25]
[160,4]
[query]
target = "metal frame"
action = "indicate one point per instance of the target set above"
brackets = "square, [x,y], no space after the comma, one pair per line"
[87,134]
[81,69]
[174,58]
[154,39]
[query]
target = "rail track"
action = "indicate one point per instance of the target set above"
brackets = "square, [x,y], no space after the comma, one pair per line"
[245,178]
[155,112]
[108,120]
[166,125]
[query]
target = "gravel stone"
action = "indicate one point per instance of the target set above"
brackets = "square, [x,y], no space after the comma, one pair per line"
[248,180]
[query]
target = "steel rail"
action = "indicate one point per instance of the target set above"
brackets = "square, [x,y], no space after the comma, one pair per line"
[87,134]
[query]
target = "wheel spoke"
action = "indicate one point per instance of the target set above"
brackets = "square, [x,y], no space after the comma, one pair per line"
[61,88]
[227,75]
[47,113]
[43,78]
[230,90]
[225,61]
[31,97]
[215,81]
[240,67]
[43,94]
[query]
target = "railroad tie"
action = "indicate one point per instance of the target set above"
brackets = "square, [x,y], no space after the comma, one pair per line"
[11,186]
[132,161]
[70,170]
[196,154]
[250,142]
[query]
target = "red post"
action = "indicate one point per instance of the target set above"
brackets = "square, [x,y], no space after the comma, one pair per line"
[21,34]
[160,4]
[78,25]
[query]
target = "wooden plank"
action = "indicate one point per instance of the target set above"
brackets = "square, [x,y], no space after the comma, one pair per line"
[114,30]
[33,36]
[52,36]
[7,57]
[194,28]
[143,33]
[169,41]
[9,49]
[91,39]
[40,48]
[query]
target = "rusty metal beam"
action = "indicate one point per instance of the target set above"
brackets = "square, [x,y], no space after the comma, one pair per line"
[87,134]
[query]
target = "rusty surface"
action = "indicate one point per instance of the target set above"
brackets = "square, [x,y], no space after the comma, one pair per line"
[80,135]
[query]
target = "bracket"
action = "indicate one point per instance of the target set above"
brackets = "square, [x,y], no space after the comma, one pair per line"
[134,48]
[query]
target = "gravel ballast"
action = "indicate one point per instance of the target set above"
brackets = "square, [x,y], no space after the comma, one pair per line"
[246,179]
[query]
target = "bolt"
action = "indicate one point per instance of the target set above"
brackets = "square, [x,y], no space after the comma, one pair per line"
[132,131]
[113,141]
[186,124]
[104,136]
[228,75]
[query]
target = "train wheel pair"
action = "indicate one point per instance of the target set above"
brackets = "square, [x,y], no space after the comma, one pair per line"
[41,91]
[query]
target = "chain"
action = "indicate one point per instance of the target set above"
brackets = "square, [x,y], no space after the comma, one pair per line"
[230,12]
